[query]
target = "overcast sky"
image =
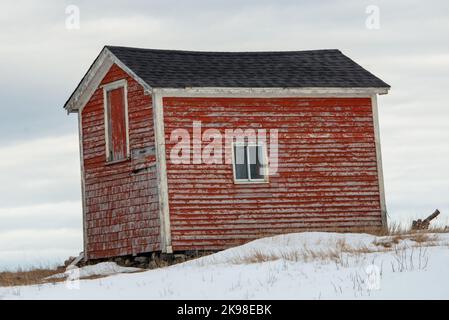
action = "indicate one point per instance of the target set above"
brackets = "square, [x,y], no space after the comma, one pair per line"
[41,62]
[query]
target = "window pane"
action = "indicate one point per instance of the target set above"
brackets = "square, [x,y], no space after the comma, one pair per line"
[256,162]
[241,163]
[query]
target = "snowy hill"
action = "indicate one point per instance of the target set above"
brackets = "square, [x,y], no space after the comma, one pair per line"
[310,265]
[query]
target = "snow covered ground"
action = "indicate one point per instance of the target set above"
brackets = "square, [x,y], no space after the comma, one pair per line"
[311,265]
[100,269]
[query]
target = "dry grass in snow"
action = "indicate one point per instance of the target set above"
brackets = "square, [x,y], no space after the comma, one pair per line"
[309,265]
[27,277]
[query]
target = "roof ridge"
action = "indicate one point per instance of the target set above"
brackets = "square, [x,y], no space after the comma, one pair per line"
[221,52]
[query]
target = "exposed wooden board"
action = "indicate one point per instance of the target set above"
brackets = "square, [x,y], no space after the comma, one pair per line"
[139,153]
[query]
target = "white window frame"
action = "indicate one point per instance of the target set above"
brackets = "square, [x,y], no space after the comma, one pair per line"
[106,88]
[265,156]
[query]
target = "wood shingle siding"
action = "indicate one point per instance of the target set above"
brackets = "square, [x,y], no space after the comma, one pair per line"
[121,199]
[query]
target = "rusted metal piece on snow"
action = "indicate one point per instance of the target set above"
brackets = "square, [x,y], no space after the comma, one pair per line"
[424,224]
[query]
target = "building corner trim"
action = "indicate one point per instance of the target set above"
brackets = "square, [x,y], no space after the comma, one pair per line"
[161,166]
[83,185]
[383,206]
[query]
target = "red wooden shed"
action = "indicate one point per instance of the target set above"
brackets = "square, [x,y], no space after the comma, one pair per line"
[185,150]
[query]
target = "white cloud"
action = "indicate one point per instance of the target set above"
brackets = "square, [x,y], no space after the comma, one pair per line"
[44,247]
[45,216]
[40,171]
[40,210]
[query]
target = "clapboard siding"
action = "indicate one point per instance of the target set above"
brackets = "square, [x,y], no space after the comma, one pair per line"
[121,199]
[327,177]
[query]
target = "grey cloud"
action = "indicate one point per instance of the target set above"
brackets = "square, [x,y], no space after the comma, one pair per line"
[40,171]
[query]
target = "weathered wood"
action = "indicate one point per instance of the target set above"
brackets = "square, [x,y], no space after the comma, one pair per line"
[121,198]
[327,175]
[161,163]
[424,224]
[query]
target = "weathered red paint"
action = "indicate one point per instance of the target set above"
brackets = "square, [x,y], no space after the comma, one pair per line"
[117,123]
[121,198]
[327,176]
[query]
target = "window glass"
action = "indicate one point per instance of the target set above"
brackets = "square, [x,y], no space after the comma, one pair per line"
[240,162]
[256,158]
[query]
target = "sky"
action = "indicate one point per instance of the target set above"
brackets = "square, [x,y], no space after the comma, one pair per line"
[42,59]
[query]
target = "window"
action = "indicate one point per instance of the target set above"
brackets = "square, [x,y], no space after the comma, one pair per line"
[116,121]
[249,163]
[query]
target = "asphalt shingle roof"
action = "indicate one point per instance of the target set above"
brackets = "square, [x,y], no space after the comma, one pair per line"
[178,69]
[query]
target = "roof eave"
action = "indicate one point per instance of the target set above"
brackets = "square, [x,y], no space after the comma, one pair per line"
[274,91]
[93,77]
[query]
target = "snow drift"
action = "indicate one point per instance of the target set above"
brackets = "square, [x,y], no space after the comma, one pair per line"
[312,265]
